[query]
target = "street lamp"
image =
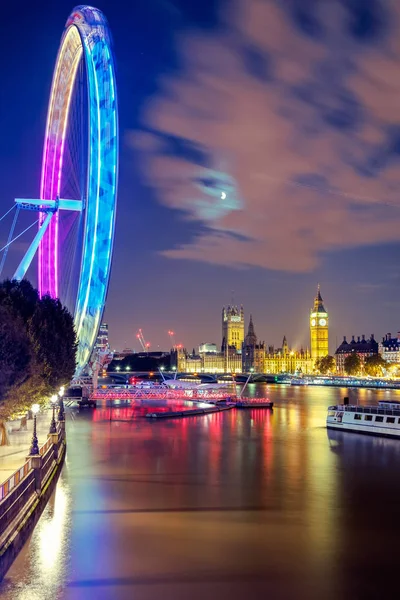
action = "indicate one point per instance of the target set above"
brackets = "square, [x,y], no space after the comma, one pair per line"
[34,449]
[61,413]
[174,368]
[162,368]
[53,428]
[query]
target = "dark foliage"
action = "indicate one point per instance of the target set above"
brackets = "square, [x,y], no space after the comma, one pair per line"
[352,364]
[374,365]
[37,347]
[326,364]
[15,351]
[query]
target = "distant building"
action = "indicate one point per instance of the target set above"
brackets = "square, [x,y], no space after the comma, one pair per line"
[247,354]
[102,338]
[319,328]
[232,328]
[229,361]
[208,359]
[208,348]
[285,360]
[253,353]
[124,353]
[362,347]
[389,348]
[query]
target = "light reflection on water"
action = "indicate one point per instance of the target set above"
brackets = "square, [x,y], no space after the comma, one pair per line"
[244,502]
[41,568]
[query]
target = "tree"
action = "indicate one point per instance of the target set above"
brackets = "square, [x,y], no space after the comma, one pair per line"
[374,365]
[352,364]
[15,351]
[325,364]
[15,361]
[51,329]
[37,348]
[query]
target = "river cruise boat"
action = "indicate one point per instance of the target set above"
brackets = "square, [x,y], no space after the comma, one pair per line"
[383,419]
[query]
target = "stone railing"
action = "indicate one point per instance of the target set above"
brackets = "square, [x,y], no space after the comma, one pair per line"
[24,495]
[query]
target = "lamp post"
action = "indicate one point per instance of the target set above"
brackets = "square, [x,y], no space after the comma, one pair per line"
[34,449]
[61,413]
[53,427]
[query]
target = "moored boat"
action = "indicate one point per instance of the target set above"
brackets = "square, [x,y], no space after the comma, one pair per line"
[254,403]
[383,419]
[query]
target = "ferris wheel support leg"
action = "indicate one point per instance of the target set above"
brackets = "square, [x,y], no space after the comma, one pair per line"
[26,261]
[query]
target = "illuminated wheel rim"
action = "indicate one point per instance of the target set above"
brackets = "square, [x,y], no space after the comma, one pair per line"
[86,38]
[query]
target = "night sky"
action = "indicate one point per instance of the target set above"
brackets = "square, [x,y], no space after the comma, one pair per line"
[260,154]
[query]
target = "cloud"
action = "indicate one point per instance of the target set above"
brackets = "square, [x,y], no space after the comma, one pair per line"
[281,132]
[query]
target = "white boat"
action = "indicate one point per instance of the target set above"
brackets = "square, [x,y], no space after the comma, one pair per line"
[383,419]
[299,381]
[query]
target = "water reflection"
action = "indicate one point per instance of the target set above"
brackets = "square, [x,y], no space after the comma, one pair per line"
[41,569]
[243,502]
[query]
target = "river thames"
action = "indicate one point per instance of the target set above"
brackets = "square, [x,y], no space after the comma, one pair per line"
[241,504]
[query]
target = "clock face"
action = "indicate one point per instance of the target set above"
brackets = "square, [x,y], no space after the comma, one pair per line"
[322,322]
[313,322]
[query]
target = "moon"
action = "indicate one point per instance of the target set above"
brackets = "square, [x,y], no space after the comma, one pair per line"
[223,195]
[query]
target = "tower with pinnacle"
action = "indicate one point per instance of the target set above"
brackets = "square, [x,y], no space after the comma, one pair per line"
[251,338]
[232,327]
[253,355]
[319,328]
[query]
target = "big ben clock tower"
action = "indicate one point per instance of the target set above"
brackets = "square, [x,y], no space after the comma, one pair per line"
[319,322]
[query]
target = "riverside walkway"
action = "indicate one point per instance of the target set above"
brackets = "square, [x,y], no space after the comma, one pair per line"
[13,456]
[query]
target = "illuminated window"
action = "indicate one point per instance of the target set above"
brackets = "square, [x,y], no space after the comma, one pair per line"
[367,417]
[357,417]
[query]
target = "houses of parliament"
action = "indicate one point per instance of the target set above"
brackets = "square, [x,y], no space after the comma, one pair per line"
[240,353]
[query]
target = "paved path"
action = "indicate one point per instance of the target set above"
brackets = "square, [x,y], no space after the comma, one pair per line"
[12,457]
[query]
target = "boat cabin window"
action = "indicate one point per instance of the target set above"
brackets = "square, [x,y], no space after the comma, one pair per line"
[379,419]
[357,417]
[367,417]
[331,413]
[390,419]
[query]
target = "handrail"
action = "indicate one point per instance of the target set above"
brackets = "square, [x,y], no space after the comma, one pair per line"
[43,449]
[160,393]
[9,484]
[375,410]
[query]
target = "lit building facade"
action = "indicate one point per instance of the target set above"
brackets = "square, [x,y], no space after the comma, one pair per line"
[286,360]
[362,347]
[389,348]
[207,347]
[233,328]
[253,353]
[240,354]
[319,328]
[229,361]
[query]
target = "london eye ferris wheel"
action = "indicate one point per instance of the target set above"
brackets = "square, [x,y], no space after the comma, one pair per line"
[78,189]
